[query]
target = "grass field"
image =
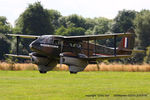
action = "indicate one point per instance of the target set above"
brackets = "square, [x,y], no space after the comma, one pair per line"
[60,85]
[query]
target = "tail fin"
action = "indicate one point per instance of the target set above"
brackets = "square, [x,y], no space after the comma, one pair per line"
[127,43]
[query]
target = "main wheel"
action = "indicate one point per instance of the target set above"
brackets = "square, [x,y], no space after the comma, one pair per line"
[43,72]
[71,72]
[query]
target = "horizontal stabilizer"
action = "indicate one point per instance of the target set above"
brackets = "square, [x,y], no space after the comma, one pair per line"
[24,36]
[19,56]
[136,51]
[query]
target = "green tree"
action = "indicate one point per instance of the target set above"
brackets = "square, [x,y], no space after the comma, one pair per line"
[54,17]
[123,21]
[78,21]
[72,25]
[76,31]
[102,25]
[62,31]
[62,21]
[71,31]
[5,27]
[4,46]
[72,21]
[35,20]
[142,29]
[89,23]
[99,25]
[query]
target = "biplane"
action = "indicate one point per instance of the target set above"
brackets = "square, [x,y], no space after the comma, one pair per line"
[75,51]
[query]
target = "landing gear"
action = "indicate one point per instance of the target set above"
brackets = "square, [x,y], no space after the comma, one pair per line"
[43,72]
[71,72]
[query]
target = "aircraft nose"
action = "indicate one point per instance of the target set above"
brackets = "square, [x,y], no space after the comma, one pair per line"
[31,45]
[34,45]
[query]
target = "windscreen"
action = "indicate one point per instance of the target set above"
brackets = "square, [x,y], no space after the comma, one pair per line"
[45,40]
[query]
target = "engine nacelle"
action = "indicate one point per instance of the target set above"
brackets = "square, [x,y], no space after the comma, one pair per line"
[75,64]
[39,60]
[44,64]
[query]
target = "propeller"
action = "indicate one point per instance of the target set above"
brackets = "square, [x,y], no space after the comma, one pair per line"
[61,54]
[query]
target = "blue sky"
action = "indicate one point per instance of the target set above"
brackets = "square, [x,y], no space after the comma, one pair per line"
[86,8]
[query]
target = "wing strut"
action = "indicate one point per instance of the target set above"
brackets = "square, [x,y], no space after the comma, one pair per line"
[17,47]
[88,48]
[18,36]
[61,53]
[115,37]
[95,47]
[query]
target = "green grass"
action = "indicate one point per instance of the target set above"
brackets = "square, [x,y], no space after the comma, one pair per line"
[31,85]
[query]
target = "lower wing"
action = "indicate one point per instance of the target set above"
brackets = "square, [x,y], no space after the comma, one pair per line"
[24,36]
[19,56]
[96,58]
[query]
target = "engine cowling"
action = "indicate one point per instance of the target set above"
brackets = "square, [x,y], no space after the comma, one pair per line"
[74,62]
[44,64]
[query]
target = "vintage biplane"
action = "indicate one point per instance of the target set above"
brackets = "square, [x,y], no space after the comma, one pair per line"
[75,51]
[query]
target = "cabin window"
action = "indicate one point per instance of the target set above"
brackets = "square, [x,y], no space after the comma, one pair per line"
[75,45]
[79,45]
[70,44]
[57,42]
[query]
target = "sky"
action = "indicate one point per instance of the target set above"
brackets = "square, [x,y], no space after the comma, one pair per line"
[11,9]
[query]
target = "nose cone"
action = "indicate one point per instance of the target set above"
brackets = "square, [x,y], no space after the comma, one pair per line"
[34,45]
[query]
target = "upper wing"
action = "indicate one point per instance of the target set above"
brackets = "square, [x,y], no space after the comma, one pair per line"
[107,57]
[24,36]
[93,37]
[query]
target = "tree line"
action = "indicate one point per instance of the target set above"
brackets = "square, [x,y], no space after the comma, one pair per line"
[36,20]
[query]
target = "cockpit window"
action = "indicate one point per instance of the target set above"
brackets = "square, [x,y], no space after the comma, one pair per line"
[45,40]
